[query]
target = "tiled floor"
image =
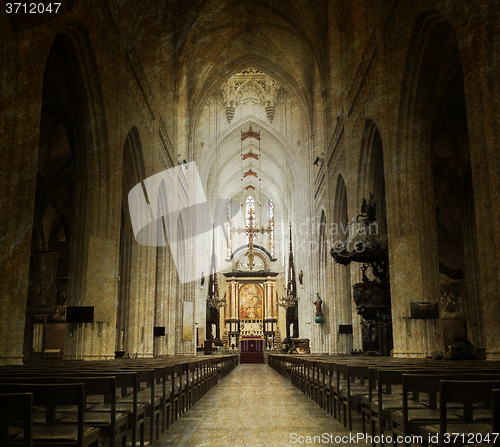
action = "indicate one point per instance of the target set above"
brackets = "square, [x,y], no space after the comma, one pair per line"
[255,406]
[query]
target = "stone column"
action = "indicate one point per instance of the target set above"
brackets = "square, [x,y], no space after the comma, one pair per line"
[21,95]
[412,254]
[182,96]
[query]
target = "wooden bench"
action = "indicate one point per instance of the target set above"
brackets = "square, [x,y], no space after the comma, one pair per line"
[112,425]
[467,393]
[163,395]
[52,433]
[354,389]
[407,421]
[16,408]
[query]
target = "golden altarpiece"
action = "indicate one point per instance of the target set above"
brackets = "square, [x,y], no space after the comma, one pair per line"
[252,299]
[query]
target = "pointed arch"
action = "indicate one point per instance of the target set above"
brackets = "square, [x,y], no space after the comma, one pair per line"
[342,274]
[371,173]
[133,172]
[434,167]
[73,137]
[260,63]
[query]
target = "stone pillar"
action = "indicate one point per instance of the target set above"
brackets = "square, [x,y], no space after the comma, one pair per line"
[19,127]
[182,96]
[234,297]
[413,267]
[354,273]
[102,287]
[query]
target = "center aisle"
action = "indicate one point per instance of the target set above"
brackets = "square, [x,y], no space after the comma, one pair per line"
[254,406]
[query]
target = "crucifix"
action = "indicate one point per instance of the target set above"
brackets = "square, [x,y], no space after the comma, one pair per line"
[250,232]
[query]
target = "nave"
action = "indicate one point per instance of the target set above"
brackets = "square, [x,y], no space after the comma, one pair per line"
[102,403]
[254,406]
[186,179]
[213,401]
[362,137]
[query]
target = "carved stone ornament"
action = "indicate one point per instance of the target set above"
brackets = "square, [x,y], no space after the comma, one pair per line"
[250,86]
[270,113]
[257,264]
[230,113]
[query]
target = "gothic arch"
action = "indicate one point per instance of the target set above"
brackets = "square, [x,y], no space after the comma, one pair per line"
[323,268]
[434,154]
[257,62]
[342,274]
[323,241]
[97,160]
[208,168]
[431,30]
[73,164]
[371,177]
[294,28]
[128,292]
[340,210]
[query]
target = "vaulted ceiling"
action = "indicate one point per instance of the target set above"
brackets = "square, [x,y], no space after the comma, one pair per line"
[216,40]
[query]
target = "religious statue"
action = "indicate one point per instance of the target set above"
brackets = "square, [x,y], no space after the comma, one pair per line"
[318,304]
[301,278]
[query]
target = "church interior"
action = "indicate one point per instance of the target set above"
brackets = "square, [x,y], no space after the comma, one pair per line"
[191,186]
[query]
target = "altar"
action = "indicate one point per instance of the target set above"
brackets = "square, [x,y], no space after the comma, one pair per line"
[251,314]
[252,350]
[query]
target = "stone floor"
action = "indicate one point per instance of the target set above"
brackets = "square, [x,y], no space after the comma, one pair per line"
[255,406]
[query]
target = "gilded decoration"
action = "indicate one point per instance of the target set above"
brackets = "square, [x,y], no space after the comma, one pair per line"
[251,302]
[257,264]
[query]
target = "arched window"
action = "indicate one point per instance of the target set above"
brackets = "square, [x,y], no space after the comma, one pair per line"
[271,226]
[229,240]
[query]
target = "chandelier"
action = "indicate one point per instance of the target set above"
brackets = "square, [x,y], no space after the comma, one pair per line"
[216,302]
[288,301]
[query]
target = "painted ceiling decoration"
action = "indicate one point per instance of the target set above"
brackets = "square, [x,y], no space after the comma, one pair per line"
[250,86]
[250,187]
[250,155]
[250,134]
[250,172]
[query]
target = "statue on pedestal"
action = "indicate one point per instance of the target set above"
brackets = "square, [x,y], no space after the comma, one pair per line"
[318,304]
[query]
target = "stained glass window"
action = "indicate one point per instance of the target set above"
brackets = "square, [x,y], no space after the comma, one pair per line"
[271,226]
[229,239]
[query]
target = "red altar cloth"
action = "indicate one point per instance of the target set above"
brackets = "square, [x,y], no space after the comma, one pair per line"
[252,350]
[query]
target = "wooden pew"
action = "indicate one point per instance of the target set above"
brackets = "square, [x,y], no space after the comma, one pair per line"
[112,425]
[323,378]
[16,408]
[165,396]
[384,396]
[51,433]
[407,421]
[355,388]
[467,431]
